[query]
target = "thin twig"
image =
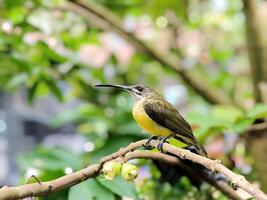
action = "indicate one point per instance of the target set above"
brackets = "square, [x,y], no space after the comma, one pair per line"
[45,188]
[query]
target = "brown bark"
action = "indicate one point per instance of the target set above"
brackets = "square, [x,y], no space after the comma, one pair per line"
[257,50]
[257,143]
[262,13]
[255,45]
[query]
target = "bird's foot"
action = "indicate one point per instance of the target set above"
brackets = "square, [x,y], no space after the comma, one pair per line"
[192,148]
[29,181]
[215,176]
[220,177]
[35,178]
[147,145]
[161,142]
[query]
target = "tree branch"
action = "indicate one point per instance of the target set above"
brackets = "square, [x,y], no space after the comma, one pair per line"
[215,166]
[114,23]
[127,153]
[199,175]
[257,128]
[45,188]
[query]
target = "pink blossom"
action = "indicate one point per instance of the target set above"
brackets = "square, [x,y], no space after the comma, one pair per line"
[94,55]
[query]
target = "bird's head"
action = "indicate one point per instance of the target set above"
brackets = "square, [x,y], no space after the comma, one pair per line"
[137,91]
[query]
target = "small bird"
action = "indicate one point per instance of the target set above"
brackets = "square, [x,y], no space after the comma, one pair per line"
[158,117]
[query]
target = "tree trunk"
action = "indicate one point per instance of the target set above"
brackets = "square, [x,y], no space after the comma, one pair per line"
[257,143]
[255,45]
[257,51]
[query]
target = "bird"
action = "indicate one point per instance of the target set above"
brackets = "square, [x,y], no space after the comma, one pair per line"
[159,117]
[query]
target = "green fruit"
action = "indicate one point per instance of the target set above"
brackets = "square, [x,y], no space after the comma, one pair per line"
[111,169]
[129,171]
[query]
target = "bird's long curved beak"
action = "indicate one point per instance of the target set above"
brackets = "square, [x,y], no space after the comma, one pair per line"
[121,87]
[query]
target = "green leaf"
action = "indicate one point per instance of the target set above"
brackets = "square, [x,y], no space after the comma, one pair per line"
[70,158]
[204,132]
[32,91]
[111,145]
[17,14]
[120,187]
[43,90]
[49,53]
[50,159]
[68,116]
[87,112]
[198,119]
[130,128]
[17,80]
[9,4]
[227,113]
[90,190]
[207,120]
[259,111]
[54,89]
[241,125]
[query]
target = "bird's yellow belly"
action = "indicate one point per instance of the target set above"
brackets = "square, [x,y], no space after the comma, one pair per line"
[147,123]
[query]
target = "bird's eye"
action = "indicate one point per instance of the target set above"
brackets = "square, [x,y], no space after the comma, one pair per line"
[140,89]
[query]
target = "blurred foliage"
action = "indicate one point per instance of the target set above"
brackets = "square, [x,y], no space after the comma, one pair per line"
[48,51]
[225,119]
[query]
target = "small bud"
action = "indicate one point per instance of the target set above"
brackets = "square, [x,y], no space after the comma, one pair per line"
[129,171]
[111,169]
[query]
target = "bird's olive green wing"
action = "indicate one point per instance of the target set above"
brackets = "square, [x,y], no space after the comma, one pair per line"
[164,114]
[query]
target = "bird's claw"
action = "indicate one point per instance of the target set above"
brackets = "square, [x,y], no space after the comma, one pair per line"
[162,140]
[220,177]
[147,144]
[192,149]
[35,178]
[161,143]
[215,176]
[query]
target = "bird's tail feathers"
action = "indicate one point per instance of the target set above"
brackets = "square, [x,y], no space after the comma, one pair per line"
[193,145]
[198,149]
[201,150]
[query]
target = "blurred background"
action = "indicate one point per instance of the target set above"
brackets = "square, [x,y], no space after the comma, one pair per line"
[206,57]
